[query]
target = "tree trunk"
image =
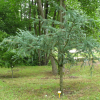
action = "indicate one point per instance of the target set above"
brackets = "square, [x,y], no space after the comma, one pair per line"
[39,57]
[61,20]
[12,70]
[61,79]
[54,67]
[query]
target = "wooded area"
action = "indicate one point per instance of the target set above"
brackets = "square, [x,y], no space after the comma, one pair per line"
[36,32]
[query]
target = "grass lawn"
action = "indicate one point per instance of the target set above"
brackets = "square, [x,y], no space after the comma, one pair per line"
[38,83]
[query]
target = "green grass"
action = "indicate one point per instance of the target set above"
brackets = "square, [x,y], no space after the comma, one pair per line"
[38,83]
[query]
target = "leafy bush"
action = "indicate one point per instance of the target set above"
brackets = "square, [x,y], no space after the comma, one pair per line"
[2,49]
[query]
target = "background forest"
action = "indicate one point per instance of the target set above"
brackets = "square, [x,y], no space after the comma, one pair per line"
[25,15]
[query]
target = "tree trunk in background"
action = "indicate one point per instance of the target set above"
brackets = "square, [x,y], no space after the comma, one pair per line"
[25,15]
[42,14]
[54,16]
[64,6]
[61,17]
[29,16]
[40,8]
[21,11]
[46,9]
[46,32]
[39,55]
[34,14]
[39,24]
[12,70]
[54,67]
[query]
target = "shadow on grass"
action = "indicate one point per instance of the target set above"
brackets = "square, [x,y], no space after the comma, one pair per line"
[28,74]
